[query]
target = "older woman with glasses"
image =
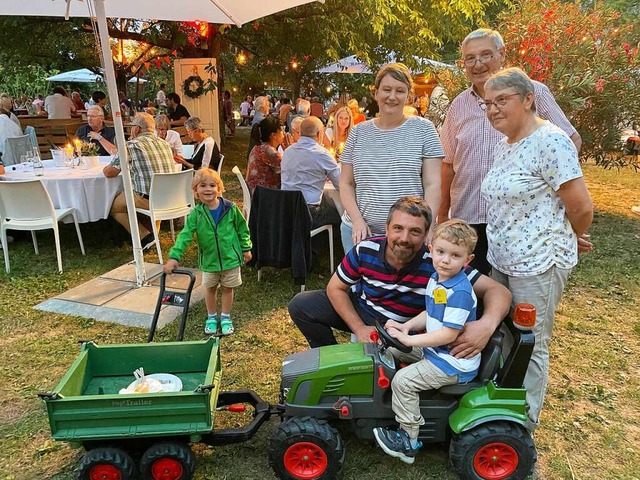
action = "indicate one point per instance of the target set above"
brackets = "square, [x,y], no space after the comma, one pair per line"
[538,207]
[468,138]
[206,152]
[163,130]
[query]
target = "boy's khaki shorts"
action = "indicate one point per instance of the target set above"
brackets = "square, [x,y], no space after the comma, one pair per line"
[227,278]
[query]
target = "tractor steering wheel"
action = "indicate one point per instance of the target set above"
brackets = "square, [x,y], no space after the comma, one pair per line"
[388,341]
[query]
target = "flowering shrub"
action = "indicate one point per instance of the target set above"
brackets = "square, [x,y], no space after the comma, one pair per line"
[589,59]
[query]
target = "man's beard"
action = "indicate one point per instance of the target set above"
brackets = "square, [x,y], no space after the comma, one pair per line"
[403,254]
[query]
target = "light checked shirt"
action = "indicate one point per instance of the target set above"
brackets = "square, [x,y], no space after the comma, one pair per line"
[148,154]
[306,165]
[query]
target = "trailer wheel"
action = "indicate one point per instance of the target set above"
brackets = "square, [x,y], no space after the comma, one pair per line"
[106,463]
[167,461]
[493,451]
[305,449]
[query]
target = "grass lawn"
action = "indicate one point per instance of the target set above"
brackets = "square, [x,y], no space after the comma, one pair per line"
[590,425]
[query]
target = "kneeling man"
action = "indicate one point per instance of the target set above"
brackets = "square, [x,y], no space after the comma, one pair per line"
[385,278]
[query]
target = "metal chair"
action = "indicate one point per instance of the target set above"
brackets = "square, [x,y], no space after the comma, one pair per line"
[26,205]
[170,196]
[246,195]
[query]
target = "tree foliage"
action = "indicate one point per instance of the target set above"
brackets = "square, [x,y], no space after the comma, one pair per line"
[283,49]
[589,57]
[291,45]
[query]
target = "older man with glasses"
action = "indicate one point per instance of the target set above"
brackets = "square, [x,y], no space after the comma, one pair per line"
[468,139]
[148,154]
[95,131]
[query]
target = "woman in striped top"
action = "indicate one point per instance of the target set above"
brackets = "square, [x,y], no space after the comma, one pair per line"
[386,158]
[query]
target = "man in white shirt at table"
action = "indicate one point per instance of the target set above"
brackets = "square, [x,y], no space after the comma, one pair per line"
[148,154]
[306,166]
[58,105]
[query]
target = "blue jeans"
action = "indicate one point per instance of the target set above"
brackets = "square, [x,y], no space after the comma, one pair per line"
[346,231]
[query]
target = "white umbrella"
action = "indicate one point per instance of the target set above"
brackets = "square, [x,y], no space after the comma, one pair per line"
[352,65]
[349,64]
[214,11]
[83,75]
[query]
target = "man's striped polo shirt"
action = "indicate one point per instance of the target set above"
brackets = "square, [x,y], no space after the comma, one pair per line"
[382,292]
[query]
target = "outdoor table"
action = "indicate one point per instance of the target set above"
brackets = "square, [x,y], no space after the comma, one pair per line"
[88,191]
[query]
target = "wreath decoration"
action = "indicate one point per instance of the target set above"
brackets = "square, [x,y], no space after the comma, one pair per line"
[193,86]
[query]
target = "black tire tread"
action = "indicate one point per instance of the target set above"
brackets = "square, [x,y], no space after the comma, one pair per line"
[311,429]
[114,456]
[176,451]
[507,432]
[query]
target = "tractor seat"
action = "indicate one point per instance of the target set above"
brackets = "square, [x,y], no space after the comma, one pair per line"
[489,365]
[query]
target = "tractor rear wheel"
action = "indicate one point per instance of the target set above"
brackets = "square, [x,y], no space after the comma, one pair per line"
[106,463]
[493,451]
[305,449]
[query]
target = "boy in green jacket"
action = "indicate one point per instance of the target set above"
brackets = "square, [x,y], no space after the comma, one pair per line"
[224,244]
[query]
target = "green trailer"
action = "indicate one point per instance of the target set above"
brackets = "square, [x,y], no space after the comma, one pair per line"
[86,409]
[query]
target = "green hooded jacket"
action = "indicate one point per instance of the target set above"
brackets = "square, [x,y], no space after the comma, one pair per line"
[220,246]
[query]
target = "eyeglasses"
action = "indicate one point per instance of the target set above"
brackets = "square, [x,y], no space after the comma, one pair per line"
[499,102]
[482,58]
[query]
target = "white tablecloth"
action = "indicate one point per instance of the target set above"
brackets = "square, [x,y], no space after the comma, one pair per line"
[88,191]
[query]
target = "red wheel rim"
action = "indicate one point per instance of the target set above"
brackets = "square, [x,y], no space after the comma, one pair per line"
[166,469]
[305,460]
[495,461]
[105,472]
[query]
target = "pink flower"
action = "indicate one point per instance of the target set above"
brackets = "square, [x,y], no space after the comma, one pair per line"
[600,85]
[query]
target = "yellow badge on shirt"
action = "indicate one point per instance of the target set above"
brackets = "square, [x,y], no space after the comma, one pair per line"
[440,295]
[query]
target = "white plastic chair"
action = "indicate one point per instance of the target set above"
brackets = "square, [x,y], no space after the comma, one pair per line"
[170,196]
[220,164]
[26,205]
[246,196]
[328,228]
[14,148]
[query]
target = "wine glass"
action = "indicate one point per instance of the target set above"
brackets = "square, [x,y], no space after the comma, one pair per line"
[68,161]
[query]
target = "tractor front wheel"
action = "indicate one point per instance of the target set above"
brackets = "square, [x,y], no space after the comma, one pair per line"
[105,463]
[305,449]
[493,451]
[167,461]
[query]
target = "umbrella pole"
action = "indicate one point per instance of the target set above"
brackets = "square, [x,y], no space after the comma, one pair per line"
[110,78]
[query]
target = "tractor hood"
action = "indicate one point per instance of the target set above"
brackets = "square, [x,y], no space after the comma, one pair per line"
[335,370]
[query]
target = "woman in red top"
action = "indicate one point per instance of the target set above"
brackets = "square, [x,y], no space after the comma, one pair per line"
[264,160]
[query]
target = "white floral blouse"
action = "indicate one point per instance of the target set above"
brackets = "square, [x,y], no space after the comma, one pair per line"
[527,228]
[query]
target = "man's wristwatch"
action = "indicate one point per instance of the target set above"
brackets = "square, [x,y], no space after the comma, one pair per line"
[99,137]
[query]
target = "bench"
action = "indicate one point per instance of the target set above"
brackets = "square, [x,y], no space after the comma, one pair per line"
[48,132]
[58,135]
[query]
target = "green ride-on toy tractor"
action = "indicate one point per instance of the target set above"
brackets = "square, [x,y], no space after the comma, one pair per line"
[484,420]
[147,435]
